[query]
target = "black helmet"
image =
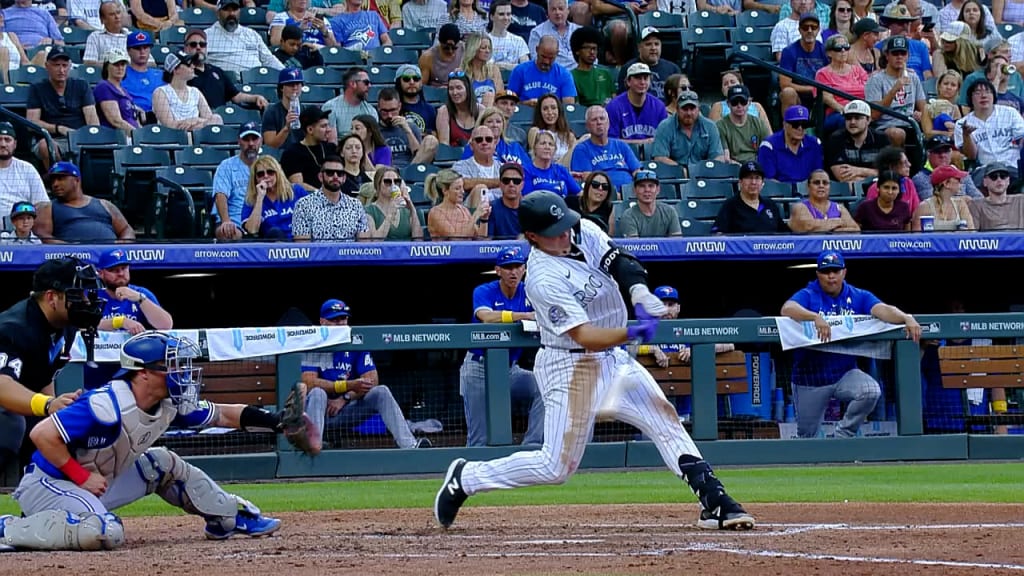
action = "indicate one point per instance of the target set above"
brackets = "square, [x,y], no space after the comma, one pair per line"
[546,214]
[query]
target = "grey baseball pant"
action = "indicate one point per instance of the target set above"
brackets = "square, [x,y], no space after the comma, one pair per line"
[377,401]
[856,387]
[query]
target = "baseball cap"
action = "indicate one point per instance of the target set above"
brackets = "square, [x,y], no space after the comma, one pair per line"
[644,175]
[546,214]
[897,43]
[649,31]
[943,173]
[897,13]
[809,16]
[21,208]
[449,33]
[56,53]
[506,93]
[408,70]
[56,275]
[955,30]
[290,76]
[864,26]
[749,168]
[938,141]
[139,38]
[111,258]
[857,107]
[175,59]
[667,293]
[797,113]
[7,129]
[737,91]
[249,128]
[311,115]
[511,166]
[222,4]
[830,260]
[334,308]
[115,55]
[993,168]
[195,32]
[64,169]
[638,69]
[688,98]
[510,256]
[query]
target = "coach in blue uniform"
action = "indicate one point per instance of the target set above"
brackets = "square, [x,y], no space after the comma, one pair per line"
[819,376]
[504,301]
[129,307]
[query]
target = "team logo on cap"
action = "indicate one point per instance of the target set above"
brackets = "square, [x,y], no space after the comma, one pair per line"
[556,211]
[117,254]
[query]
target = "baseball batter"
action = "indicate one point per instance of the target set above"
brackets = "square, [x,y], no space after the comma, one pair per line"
[575,272]
[96,455]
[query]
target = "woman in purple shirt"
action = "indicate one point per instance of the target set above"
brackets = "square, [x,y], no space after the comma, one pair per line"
[117,109]
[817,213]
[377,151]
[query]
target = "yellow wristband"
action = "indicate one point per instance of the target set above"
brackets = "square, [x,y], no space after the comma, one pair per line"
[117,322]
[506,316]
[644,350]
[39,404]
[999,406]
[340,386]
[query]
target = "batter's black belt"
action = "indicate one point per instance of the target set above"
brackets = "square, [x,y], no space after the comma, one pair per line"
[572,350]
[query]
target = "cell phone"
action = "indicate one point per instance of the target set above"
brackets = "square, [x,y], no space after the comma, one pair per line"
[928,27]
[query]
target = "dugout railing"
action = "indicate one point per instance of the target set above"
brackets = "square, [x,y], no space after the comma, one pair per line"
[910,444]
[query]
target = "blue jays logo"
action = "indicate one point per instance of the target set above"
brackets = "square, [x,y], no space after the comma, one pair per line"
[361,37]
[117,254]
[236,339]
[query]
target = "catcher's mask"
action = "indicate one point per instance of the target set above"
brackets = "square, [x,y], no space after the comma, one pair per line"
[165,353]
[81,286]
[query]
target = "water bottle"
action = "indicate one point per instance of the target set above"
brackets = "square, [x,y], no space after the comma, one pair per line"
[396,196]
[296,108]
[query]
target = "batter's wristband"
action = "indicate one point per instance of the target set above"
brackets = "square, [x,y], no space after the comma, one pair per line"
[506,316]
[117,322]
[74,471]
[340,386]
[38,404]
[999,406]
[644,350]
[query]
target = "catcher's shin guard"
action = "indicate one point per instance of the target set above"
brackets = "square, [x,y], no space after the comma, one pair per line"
[60,530]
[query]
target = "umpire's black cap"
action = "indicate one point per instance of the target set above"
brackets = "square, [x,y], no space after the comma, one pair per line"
[56,275]
[546,214]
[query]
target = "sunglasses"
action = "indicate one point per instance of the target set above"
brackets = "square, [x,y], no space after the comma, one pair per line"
[844,10]
[196,44]
[456,74]
[601,185]
[390,181]
[364,81]
[686,88]
[265,173]
[511,180]
[898,53]
[331,172]
[840,48]
[820,182]
[481,139]
[449,45]
[800,125]
[411,78]
[810,28]
[999,175]
[739,102]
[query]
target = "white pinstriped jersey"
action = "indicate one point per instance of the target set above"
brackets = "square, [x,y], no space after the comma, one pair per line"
[566,291]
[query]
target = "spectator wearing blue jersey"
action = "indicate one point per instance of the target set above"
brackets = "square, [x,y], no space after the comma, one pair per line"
[504,219]
[231,180]
[790,155]
[635,114]
[687,137]
[269,201]
[819,376]
[358,29]
[351,382]
[128,307]
[600,152]
[531,80]
[543,173]
[501,301]
[139,79]
[804,58]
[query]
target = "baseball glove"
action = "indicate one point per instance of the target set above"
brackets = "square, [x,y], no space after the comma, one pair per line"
[296,426]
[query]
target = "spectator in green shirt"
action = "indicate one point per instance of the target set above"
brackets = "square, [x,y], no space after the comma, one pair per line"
[595,85]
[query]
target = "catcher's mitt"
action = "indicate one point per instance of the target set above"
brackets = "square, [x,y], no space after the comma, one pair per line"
[296,426]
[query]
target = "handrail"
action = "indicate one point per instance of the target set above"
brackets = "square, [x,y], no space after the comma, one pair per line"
[919,135]
[30,127]
[162,211]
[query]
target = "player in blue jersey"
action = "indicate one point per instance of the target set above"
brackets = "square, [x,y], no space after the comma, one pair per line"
[350,380]
[818,376]
[503,300]
[129,307]
[96,455]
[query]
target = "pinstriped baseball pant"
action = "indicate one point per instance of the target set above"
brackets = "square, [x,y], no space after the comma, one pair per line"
[573,386]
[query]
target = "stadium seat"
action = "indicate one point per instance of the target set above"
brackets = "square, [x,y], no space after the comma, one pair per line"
[393,55]
[215,137]
[203,158]
[706,19]
[182,197]
[408,38]
[235,115]
[637,148]
[418,195]
[707,45]
[322,76]
[580,128]
[315,94]
[92,149]
[435,94]
[447,155]
[699,208]
[253,17]
[931,88]
[274,153]
[418,172]
[523,115]
[74,36]
[422,211]
[714,169]
[381,77]
[198,17]
[337,56]
[134,179]
[91,74]
[759,51]
[701,188]
[667,173]
[662,20]
[28,75]
[261,75]
[693,227]
[266,90]
[162,137]
[775,189]
[1007,29]
[174,36]
[743,35]
[575,113]
[14,98]
[160,52]
[757,19]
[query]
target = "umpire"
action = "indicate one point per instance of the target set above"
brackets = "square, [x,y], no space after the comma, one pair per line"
[64,296]
[500,301]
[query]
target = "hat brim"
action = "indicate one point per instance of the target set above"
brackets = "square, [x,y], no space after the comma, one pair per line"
[559,228]
[830,268]
[745,173]
[250,133]
[335,315]
[688,103]
[513,262]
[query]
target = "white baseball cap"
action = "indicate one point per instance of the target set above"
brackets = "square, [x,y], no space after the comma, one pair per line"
[638,69]
[649,31]
[857,107]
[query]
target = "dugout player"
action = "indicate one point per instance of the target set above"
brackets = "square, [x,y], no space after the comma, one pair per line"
[818,376]
[575,275]
[503,300]
[129,307]
[96,455]
[64,295]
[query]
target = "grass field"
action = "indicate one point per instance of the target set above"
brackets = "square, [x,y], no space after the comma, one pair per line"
[961,482]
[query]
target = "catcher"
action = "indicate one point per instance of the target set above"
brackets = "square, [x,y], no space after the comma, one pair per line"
[95,455]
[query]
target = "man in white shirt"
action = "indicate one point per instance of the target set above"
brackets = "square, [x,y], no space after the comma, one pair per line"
[19,180]
[480,171]
[987,134]
[556,25]
[234,47]
[111,36]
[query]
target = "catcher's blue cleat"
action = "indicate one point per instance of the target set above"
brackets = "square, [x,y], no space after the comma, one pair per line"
[245,524]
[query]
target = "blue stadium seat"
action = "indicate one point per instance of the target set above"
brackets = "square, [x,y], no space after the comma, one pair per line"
[340,57]
[316,94]
[182,197]
[409,38]
[162,137]
[523,115]
[661,20]
[215,137]
[235,115]
[667,173]
[91,74]
[751,35]
[268,91]
[322,76]
[693,227]
[204,158]
[757,19]
[381,77]
[702,188]
[714,169]
[275,153]
[198,17]
[418,172]
[393,55]
[160,52]
[447,155]
[699,208]
[14,97]
[253,17]
[74,36]
[435,94]
[261,75]
[29,74]
[575,113]
[706,19]
[173,36]
[775,189]
[418,195]
[1007,29]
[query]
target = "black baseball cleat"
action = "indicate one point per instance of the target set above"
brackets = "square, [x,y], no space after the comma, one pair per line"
[728,515]
[451,495]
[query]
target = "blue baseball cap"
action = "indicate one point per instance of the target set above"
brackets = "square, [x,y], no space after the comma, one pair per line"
[510,256]
[249,129]
[666,293]
[830,260]
[334,309]
[64,169]
[138,38]
[111,258]
[290,76]
[797,113]
[643,175]
[21,208]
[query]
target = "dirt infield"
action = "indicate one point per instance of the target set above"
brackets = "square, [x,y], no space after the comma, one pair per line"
[793,540]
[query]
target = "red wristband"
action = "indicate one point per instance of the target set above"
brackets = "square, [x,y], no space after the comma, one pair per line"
[74,471]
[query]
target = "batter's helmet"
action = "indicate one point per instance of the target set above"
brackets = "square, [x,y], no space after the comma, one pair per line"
[164,353]
[546,214]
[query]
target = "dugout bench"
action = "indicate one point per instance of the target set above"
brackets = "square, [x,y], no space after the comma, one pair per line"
[992,367]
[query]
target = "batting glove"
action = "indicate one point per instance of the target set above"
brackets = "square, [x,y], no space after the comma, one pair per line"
[643,331]
[641,296]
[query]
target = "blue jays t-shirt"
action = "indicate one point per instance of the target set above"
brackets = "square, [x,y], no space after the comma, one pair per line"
[141,85]
[490,297]
[616,158]
[530,83]
[504,151]
[358,30]
[815,368]
[276,213]
[555,178]
[338,365]
[127,308]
